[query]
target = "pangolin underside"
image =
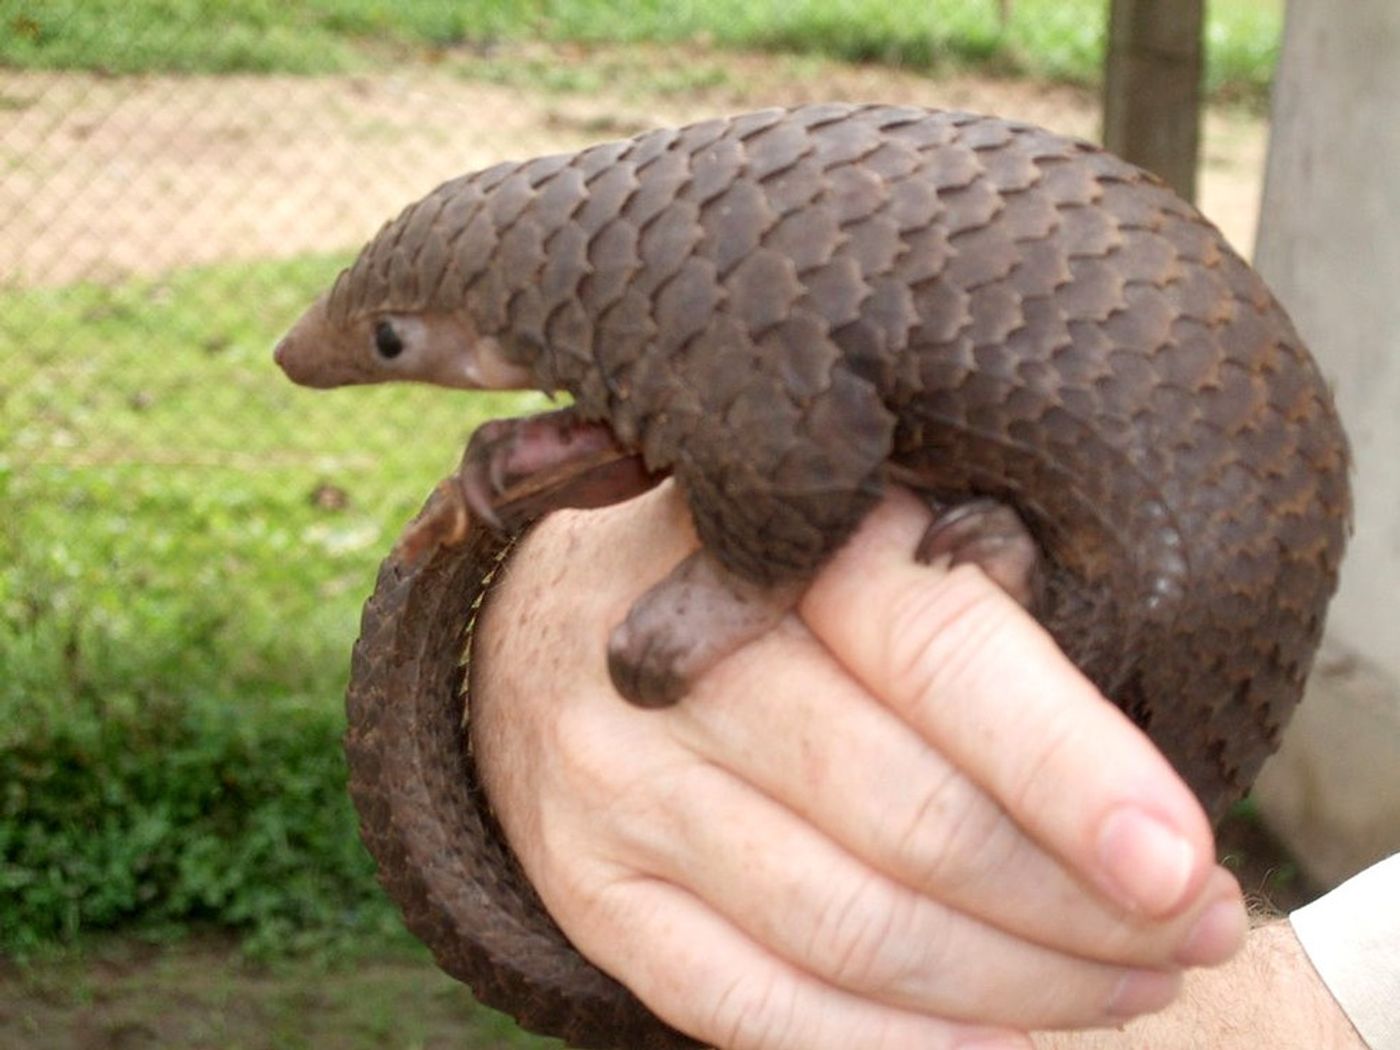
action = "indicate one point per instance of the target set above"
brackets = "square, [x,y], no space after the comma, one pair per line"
[786,309]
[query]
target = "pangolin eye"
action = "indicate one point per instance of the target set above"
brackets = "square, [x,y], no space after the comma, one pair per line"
[387,341]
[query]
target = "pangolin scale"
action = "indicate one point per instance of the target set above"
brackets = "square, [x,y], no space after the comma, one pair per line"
[786,310]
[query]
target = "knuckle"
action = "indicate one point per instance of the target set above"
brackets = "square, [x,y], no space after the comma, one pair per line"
[583,752]
[952,837]
[1032,782]
[593,903]
[941,634]
[857,932]
[754,1014]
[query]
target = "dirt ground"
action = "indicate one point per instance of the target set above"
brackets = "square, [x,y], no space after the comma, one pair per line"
[107,177]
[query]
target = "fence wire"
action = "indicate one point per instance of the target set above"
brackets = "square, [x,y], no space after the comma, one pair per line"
[180,178]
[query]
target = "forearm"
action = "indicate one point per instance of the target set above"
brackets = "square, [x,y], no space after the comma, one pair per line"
[1268,995]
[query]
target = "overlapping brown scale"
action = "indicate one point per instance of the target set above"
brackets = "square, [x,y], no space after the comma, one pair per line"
[872,243]
[558,198]
[845,142]
[754,412]
[475,247]
[799,353]
[981,255]
[834,291]
[598,160]
[1029,218]
[686,305]
[927,252]
[1065,182]
[520,255]
[852,193]
[795,187]
[934,130]
[488,179]
[1088,231]
[623,334]
[659,182]
[996,312]
[854,411]
[608,191]
[944,310]
[735,224]
[567,265]
[762,289]
[403,281]
[967,208]
[1143,325]
[650,146]
[420,220]
[809,238]
[526,315]
[488,302]
[508,200]
[663,246]
[713,170]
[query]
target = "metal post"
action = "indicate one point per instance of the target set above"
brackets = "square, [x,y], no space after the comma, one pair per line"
[1152,87]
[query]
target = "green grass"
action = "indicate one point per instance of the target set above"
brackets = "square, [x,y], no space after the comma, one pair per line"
[1061,39]
[185,540]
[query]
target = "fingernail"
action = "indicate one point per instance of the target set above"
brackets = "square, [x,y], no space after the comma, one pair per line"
[1148,863]
[1142,992]
[1217,935]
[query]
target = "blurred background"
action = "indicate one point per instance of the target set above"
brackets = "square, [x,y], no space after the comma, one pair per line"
[186,539]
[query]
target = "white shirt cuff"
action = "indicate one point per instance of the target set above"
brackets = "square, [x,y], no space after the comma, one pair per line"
[1352,938]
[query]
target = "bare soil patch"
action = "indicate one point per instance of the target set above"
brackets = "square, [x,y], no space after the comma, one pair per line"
[110,177]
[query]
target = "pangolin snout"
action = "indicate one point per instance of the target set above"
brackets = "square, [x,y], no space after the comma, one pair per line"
[304,362]
[292,364]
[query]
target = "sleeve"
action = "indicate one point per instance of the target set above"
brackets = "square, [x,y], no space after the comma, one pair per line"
[1352,938]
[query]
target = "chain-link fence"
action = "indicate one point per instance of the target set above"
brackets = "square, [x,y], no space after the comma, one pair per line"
[160,224]
[180,177]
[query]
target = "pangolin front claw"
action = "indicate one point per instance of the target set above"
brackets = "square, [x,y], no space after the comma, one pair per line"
[516,470]
[445,523]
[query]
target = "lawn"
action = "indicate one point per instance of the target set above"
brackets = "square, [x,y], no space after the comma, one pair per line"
[185,540]
[1059,39]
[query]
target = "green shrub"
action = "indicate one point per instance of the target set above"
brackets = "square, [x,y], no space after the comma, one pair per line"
[121,812]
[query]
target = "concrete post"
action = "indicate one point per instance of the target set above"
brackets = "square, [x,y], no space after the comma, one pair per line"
[1329,244]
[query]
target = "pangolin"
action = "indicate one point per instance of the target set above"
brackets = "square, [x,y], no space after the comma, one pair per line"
[788,310]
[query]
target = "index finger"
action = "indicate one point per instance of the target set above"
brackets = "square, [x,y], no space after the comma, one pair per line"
[985,685]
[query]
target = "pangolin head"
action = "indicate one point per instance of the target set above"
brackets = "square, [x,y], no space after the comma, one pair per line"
[399,312]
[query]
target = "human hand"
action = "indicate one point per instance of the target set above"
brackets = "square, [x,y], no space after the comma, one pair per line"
[896,820]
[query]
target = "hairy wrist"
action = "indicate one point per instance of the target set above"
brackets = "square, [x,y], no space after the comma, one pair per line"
[1268,995]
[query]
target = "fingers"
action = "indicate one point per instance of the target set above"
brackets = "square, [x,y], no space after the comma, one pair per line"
[824,854]
[943,649]
[814,741]
[789,887]
[717,985]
